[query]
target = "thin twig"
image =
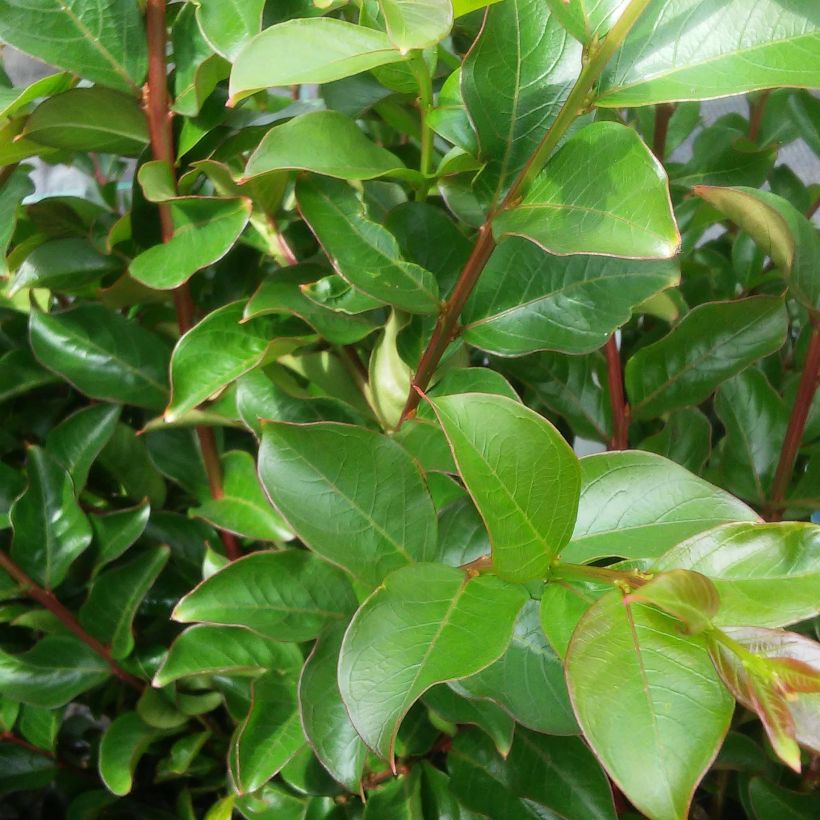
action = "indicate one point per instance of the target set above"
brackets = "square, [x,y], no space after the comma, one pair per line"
[663,113]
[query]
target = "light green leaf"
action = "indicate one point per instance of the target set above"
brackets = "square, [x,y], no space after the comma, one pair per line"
[90,119]
[389,376]
[243,508]
[416,23]
[587,19]
[108,612]
[50,528]
[14,99]
[325,721]
[317,50]
[285,596]
[664,505]
[325,142]
[352,495]
[713,342]
[54,672]
[205,229]
[514,80]
[602,193]
[522,475]
[103,354]
[461,7]
[363,251]
[123,744]
[710,50]
[424,625]
[632,674]
[766,574]
[688,596]
[229,26]
[39,726]
[101,41]
[527,300]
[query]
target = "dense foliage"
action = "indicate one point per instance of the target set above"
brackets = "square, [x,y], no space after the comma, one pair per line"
[292,523]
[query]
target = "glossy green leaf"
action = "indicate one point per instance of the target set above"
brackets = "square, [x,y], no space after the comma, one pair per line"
[115,596]
[66,265]
[521,473]
[713,51]
[324,142]
[665,505]
[416,23]
[325,721]
[221,348]
[373,513]
[270,734]
[50,528]
[205,229]
[766,574]
[424,625]
[527,681]
[688,596]
[116,531]
[527,300]
[14,99]
[364,252]
[77,440]
[315,50]
[126,459]
[461,7]
[20,372]
[782,232]
[712,343]
[562,607]
[449,118]
[90,119]
[586,19]
[104,42]
[243,508]
[123,744]
[602,193]
[39,726]
[631,673]
[229,26]
[22,769]
[514,80]
[103,354]
[772,802]
[286,596]
[53,673]
[686,439]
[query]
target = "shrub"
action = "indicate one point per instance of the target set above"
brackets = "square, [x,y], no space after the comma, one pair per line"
[290,519]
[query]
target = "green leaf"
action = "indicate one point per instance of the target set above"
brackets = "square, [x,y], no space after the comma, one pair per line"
[602,193]
[325,142]
[522,475]
[13,191]
[514,80]
[66,265]
[772,802]
[712,343]
[416,23]
[766,574]
[352,495]
[54,672]
[686,439]
[102,354]
[270,734]
[20,372]
[755,419]
[78,439]
[527,681]
[123,744]
[116,531]
[23,769]
[89,119]
[398,799]
[50,528]
[654,686]
[223,650]
[586,19]
[364,252]
[286,596]
[781,231]
[425,624]
[125,458]
[325,721]
[317,50]
[115,596]
[243,508]
[527,300]
[664,505]
[229,26]
[104,43]
[221,348]
[712,51]
[14,99]
[562,606]
[688,596]
[40,726]
[205,229]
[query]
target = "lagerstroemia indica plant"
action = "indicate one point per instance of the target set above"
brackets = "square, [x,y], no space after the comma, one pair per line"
[291,521]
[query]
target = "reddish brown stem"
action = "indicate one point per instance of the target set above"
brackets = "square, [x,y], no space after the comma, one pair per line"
[158,115]
[797,423]
[620,409]
[8,737]
[48,600]
[756,115]
[663,113]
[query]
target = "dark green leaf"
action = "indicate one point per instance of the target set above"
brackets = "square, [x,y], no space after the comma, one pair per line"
[685,439]
[773,802]
[20,372]
[116,531]
[121,748]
